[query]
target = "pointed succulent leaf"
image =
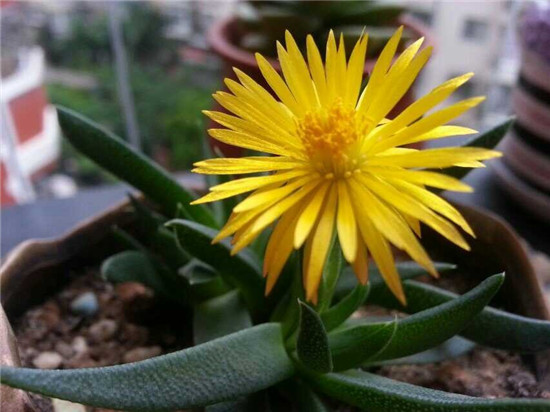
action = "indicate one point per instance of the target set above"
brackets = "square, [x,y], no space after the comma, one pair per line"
[416,333]
[492,327]
[117,157]
[488,140]
[340,312]
[220,316]
[452,348]
[241,270]
[223,369]
[312,342]
[203,281]
[407,270]
[136,266]
[377,393]
[331,273]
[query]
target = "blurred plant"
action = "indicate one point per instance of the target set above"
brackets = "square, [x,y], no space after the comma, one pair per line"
[88,42]
[264,22]
[168,108]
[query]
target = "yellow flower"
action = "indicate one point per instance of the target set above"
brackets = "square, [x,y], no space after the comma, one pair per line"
[337,162]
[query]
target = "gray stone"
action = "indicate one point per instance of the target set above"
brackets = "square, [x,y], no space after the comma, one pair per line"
[48,360]
[142,353]
[103,330]
[85,304]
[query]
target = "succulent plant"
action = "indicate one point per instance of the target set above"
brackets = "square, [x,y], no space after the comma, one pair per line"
[251,351]
[264,22]
[300,345]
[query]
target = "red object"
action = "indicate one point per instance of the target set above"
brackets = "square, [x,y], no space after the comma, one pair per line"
[6,198]
[27,113]
[223,39]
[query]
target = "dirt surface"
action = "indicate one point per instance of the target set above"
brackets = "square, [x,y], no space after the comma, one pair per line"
[126,324]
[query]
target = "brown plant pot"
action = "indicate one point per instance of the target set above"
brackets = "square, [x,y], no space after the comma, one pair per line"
[33,271]
[224,37]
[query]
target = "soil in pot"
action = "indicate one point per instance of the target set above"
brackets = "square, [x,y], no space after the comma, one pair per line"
[92,323]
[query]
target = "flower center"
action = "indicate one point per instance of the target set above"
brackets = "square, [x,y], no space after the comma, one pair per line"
[330,137]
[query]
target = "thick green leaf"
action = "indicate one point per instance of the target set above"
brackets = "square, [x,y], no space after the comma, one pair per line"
[331,273]
[241,270]
[126,240]
[312,342]
[452,348]
[203,281]
[220,316]
[378,394]
[492,327]
[340,312]
[407,270]
[136,266]
[488,140]
[216,371]
[424,330]
[115,156]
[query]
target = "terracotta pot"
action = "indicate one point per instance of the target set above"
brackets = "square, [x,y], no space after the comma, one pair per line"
[223,39]
[36,268]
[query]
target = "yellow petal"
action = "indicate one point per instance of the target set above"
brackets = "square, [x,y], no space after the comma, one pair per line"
[295,69]
[346,224]
[380,251]
[273,213]
[421,177]
[317,69]
[270,196]
[408,205]
[356,68]
[436,158]
[320,243]
[331,64]
[239,186]
[361,264]
[391,225]
[414,132]
[422,105]
[379,71]
[435,203]
[281,116]
[309,215]
[233,166]
[278,85]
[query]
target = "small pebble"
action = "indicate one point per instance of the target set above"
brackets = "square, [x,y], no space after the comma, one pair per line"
[48,360]
[142,353]
[103,330]
[128,292]
[79,345]
[60,405]
[85,304]
[64,349]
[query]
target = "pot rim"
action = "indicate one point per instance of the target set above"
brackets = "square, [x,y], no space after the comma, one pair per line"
[218,39]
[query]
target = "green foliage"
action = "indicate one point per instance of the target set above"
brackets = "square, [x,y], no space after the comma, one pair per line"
[312,341]
[264,22]
[240,362]
[376,393]
[216,371]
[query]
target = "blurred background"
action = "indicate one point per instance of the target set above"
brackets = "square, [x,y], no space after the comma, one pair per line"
[146,69]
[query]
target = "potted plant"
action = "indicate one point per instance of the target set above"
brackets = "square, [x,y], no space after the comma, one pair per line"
[291,339]
[257,25]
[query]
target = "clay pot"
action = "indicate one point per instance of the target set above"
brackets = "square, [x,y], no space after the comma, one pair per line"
[223,40]
[37,268]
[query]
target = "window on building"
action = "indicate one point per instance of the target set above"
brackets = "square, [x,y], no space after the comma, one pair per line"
[475,29]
